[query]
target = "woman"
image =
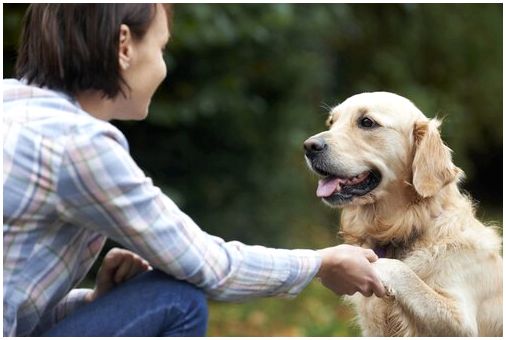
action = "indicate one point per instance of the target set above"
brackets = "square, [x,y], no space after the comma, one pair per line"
[69,183]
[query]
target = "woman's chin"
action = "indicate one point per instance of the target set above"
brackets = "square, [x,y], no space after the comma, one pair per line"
[133,114]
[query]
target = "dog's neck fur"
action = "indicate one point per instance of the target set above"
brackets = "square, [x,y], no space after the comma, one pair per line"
[400,220]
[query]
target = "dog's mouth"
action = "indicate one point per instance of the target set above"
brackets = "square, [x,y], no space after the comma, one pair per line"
[338,190]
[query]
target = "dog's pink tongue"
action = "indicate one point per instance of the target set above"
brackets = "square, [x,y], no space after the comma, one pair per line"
[327,186]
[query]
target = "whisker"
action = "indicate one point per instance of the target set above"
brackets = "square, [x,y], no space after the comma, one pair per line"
[325,106]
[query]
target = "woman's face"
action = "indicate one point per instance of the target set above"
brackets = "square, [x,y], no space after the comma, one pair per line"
[143,68]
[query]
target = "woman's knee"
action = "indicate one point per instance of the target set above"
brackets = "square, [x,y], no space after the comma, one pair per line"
[191,302]
[196,313]
[162,280]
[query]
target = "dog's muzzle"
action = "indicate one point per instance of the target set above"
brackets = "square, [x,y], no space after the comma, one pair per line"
[314,147]
[337,187]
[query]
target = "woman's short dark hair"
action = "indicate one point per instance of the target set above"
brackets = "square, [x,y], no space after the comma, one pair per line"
[74,47]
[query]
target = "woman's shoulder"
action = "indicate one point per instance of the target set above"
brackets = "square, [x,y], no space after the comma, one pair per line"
[17,91]
[50,113]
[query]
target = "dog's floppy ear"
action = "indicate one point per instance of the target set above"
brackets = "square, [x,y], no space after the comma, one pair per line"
[432,163]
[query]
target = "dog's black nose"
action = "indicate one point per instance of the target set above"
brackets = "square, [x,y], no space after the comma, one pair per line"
[314,145]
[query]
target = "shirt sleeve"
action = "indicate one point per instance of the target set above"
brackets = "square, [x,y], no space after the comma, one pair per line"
[101,188]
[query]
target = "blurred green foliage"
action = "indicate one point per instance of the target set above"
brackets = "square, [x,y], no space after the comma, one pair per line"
[315,312]
[248,83]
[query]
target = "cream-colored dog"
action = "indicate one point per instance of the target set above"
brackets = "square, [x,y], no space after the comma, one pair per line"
[385,164]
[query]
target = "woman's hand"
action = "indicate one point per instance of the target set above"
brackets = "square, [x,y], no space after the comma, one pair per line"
[118,266]
[347,269]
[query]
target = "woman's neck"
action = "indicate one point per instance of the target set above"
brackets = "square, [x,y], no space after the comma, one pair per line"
[96,104]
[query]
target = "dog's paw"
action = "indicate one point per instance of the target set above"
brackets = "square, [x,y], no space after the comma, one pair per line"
[390,272]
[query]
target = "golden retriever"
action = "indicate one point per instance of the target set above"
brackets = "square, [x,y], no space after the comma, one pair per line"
[384,163]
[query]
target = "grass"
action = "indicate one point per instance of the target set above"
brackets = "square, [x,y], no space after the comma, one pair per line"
[315,312]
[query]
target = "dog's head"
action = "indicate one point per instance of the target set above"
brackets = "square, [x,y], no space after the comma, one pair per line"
[376,144]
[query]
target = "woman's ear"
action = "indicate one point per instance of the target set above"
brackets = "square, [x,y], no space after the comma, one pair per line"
[125,47]
[432,164]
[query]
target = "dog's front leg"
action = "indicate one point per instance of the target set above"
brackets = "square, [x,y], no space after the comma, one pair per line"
[439,312]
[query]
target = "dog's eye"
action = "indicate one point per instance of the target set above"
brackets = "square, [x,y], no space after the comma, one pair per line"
[329,121]
[366,123]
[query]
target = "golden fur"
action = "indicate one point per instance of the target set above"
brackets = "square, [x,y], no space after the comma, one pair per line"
[443,269]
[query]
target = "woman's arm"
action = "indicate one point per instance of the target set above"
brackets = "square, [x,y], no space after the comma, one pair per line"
[101,188]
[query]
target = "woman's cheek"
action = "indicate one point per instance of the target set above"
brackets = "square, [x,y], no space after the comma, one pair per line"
[163,71]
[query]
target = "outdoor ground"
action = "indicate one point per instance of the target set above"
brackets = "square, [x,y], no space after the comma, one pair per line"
[315,312]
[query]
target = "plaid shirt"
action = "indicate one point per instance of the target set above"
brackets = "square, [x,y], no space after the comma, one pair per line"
[69,182]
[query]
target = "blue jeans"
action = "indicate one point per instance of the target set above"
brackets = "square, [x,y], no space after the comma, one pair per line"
[150,304]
